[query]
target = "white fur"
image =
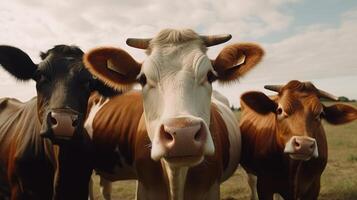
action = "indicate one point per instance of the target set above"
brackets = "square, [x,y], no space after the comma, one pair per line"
[88,124]
[176,87]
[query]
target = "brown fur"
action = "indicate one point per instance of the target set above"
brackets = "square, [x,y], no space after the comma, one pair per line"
[226,62]
[264,137]
[126,67]
[120,124]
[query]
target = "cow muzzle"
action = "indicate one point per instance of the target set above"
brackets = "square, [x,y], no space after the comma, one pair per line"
[62,124]
[301,148]
[181,140]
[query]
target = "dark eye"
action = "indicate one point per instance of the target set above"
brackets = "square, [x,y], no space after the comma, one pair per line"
[320,116]
[42,78]
[142,80]
[211,77]
[279,111]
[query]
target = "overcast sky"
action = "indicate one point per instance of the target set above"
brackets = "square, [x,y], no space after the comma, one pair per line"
[312,40]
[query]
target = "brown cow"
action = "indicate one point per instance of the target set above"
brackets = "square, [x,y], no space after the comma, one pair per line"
[283,142]
[172,136]
[28,162]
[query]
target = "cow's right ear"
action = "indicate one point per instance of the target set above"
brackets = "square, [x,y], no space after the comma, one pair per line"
[113,66]
[17,63]
[258,102]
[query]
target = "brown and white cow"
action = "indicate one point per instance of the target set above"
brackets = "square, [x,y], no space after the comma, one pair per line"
[172,136]
[31,167]
[283,141]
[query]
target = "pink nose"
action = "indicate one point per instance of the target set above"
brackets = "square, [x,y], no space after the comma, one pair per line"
[182,137]
[63,124]
[301,147]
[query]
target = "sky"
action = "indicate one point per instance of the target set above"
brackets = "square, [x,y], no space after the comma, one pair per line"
[307,40]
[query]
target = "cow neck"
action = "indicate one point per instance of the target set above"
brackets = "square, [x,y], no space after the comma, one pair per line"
[73,161]
[176,177]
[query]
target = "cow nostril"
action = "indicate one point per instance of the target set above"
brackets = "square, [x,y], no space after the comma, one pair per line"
[75,123]
[312,146]
[198,135]
[53,120]
[296,144]
[168,136]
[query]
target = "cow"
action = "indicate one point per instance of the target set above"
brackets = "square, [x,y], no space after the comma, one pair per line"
[172,136]
[45,153]
[284,147]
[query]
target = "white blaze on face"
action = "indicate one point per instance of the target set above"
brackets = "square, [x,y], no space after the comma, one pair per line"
[177,87]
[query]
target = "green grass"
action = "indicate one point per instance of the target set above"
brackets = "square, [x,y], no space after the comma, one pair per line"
[339,180]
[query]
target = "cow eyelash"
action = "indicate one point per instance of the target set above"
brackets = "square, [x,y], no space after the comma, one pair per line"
[142,80]
[211,77]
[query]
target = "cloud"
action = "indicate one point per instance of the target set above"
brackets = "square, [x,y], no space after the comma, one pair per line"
[322,54]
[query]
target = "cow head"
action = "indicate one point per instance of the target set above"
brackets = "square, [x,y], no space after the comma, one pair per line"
[176,79]
[63,87]
[299,112]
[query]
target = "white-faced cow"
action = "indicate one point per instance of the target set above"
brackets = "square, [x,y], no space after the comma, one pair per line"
[28,162]
[283,141]
[172,136]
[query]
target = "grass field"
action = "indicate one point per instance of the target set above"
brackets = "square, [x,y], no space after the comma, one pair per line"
[339,180]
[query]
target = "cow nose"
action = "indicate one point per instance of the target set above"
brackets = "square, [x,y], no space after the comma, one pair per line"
[63,124]
[301,147]
[182,137]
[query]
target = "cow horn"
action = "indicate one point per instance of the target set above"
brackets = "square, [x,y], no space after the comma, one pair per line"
[275,88]
[326,95]
[140,43]
[211,40]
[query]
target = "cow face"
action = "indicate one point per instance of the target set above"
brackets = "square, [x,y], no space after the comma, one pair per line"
[63,87]
[298,114]
[176,79]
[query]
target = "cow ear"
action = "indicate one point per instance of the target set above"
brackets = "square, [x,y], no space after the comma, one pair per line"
[17,63]
[113,66]
[339,114]
[235,60]
[104,89]
[258,102]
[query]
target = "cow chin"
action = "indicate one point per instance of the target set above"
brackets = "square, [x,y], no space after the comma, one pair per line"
[184,161]
[300,157]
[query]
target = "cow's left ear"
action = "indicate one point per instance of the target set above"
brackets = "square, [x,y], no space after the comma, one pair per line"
[258,102]
[17,63]
[339,114]
[235,60]
[113,66]
[103,89]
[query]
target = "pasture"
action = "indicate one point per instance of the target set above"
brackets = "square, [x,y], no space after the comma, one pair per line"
[339,180]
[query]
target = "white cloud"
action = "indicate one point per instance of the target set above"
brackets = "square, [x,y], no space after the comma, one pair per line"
[322,54]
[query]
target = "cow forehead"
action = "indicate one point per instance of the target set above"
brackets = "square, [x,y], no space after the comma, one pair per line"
[176,58]
[293,101]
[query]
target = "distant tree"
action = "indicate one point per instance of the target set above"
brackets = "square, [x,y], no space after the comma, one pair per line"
[343,99]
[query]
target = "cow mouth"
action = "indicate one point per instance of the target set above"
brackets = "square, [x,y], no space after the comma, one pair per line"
[300,156]
[184,160]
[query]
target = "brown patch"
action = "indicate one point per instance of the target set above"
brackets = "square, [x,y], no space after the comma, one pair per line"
[115,125]
[226,62]
[121,73]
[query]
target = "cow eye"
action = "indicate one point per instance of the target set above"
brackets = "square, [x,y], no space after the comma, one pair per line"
[280,113]
[211,77]
[42,78]
[320,116]
[142,80]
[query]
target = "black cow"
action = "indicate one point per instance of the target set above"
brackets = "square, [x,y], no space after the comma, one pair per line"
[31,167]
